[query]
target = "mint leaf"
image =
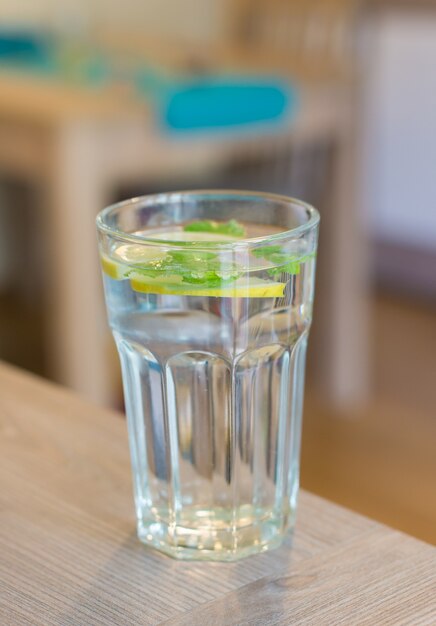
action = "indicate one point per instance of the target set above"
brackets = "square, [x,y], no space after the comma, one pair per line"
[264,252]
[283,262]
[191,257]
[200,268]
[291,267]
[231,228]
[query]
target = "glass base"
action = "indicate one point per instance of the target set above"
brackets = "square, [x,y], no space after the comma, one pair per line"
[214,543]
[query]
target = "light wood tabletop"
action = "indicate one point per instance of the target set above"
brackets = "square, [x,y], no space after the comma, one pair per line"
[69,552]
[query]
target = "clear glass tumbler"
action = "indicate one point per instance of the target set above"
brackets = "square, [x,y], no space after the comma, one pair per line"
[209,297]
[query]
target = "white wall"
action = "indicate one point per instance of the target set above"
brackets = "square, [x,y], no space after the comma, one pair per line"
[401,126]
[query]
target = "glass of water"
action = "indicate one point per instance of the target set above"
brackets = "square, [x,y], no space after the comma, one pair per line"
[209,297]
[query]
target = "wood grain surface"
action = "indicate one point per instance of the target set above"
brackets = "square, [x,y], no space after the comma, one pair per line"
[56,101]
[69,553]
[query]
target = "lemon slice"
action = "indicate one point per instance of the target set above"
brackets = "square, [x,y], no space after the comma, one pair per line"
[116,271]
[133,254]
[125,256]
[241,288]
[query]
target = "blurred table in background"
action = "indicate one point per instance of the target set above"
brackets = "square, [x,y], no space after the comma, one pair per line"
[82,143]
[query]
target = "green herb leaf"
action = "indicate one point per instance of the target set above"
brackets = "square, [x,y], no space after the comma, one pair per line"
[192,256]
[291,267]
[283,262]
[205,269]
[231,228]
[264,252]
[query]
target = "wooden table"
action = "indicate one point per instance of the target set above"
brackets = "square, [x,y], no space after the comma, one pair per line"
[69,553]
[80,144]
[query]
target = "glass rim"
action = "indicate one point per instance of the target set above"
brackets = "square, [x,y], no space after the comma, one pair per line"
[298,231]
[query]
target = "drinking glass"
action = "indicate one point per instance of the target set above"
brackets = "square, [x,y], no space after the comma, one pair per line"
[209,297]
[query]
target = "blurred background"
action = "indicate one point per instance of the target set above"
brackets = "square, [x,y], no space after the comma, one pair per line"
[332,101]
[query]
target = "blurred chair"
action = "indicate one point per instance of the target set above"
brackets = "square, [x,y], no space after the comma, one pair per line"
[22,47]
[313,38]
[215,103]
